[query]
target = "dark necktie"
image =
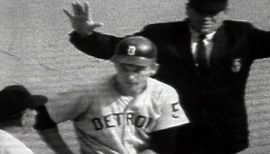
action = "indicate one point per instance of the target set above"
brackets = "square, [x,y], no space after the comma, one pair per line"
[200,56]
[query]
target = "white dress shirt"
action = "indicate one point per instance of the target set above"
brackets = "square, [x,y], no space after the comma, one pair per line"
[208,42]
[11,145]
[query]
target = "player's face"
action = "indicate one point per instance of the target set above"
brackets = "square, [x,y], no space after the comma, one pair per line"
[29,118]
[205,23]
[132,78]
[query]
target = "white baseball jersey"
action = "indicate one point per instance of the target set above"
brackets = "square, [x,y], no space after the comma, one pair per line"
[107,122]
[11,145]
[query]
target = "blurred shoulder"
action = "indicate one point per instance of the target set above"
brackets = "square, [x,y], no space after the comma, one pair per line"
[161,87]
[238,28]
[87,90]
[4,134]
[237,23]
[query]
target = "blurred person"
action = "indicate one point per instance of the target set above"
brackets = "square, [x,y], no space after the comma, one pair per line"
[122,114]
[206,57]
[17,110]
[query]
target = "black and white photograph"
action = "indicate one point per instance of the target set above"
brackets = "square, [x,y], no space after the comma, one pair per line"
[135,77]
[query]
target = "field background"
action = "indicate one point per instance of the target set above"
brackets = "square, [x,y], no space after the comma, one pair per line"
[34,51]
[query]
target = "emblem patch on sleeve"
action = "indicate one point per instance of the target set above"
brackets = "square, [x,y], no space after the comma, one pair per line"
[236,65]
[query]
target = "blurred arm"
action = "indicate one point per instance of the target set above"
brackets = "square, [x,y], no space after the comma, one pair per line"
[97,44]
[54,140]
[48,131]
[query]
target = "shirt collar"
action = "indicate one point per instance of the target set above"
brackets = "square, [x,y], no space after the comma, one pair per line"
[195,34]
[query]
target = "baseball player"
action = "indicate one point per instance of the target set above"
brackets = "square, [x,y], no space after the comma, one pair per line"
[119,115]
[16,111]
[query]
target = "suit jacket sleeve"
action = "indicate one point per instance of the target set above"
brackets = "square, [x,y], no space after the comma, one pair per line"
[259,41]
[97,44]
[103,46]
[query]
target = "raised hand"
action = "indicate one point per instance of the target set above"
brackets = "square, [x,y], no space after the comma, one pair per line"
[81,20]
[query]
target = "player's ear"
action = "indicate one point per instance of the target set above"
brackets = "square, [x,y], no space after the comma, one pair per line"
[154,69]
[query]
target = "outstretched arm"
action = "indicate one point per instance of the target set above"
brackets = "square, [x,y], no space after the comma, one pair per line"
[48,131]
[54,140]
[63,107]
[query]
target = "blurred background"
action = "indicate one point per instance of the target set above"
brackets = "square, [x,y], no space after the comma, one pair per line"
[35,52]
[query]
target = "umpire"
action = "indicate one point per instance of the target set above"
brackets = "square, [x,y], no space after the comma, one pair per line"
[206,57]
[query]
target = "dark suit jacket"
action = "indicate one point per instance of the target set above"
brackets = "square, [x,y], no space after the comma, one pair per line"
[214,102]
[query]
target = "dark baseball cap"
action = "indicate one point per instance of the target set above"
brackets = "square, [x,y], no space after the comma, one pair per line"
[14,99]
[135,50]
[208,6]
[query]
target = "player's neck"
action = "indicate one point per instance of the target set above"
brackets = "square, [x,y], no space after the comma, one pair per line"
[129,91]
